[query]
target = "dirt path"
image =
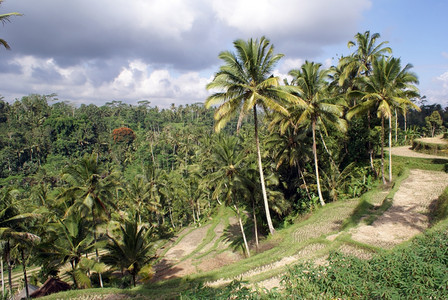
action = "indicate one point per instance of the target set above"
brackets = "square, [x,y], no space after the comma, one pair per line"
[406,151]
[408,215]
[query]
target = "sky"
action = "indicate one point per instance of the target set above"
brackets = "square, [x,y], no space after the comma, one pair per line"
[166,51]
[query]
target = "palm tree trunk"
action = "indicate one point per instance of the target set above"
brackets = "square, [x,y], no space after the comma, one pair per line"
[255,223]
[73,274]
[96,247]
[8,261]
[3,277]
[382,150]
[321,199]
[299,170]
[25,278]
[390,149]
[328,152]
[171,217]
[260,169]
[370,148]
[396,126]
[242,230]
[405,126]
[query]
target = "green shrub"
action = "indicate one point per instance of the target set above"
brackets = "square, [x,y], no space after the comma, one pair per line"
[440,210]
[419,271]
[430,148]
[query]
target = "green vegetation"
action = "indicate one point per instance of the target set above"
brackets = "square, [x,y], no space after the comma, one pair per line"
[96,195]
[430,148]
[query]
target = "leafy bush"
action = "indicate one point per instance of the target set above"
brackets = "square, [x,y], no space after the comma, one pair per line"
[440,210]
[416,272]
[234,290]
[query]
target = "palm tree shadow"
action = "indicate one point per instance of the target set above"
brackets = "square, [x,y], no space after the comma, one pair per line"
[164,270]
[232,235]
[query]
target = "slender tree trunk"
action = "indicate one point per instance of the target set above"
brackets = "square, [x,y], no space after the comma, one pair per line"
[321,199]
[299,170]
[152,155]
[73,274]
[396,126]
[255,223]
[8,261]
[405,126]
[382,150]
[25,278]
[390,149]
[242,230]
[198,211]
[328,152]
[3,277]
[171,217]
[96,247]
[194,215]
[370,147]
[260,169]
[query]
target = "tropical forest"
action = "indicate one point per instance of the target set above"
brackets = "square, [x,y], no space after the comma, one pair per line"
[330,183]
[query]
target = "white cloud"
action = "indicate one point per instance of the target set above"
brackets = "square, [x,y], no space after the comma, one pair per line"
[438,92]
[134,82]
[167,19]
[291,17]
[161,50]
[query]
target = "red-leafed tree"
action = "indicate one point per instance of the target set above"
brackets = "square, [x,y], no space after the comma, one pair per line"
[123,135]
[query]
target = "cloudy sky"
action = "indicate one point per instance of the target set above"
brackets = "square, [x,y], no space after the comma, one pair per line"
[166,51]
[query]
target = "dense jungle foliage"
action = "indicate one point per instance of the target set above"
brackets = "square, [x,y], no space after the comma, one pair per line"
[97,186]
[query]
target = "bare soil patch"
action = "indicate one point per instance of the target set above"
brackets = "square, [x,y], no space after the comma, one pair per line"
[408,215]
[174,264]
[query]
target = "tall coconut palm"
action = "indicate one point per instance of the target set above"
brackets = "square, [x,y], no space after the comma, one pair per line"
[388,87]
[317,109]
[245,83]
[366,53]
[6,18]
[359,65]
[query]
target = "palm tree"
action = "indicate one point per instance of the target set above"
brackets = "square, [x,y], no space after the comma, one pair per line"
[359,65]
[365,55]
[317,107]
[68,240]
[245,82]
[6,18]
[388,87]
[291,148]
[12,230]
[132,251]
[142,194]
[227,161]
[92,191]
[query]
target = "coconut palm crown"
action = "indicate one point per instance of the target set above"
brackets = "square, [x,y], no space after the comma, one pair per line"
[245,82]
